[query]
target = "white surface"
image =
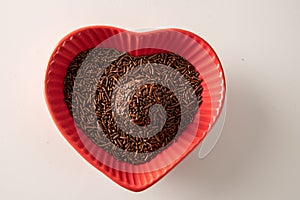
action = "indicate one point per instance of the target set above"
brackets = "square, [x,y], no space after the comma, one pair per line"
[257,156]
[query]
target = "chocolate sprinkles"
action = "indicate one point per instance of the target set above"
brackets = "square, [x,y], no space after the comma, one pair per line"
[132,107]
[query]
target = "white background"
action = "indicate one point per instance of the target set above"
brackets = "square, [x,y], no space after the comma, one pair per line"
[257,156]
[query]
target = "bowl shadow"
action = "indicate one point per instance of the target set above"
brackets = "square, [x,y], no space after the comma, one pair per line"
[241,140]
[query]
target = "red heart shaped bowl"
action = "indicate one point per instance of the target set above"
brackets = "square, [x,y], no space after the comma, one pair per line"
[136,176]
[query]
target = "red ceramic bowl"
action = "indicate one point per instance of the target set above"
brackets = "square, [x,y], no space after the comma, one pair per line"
[184,43]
